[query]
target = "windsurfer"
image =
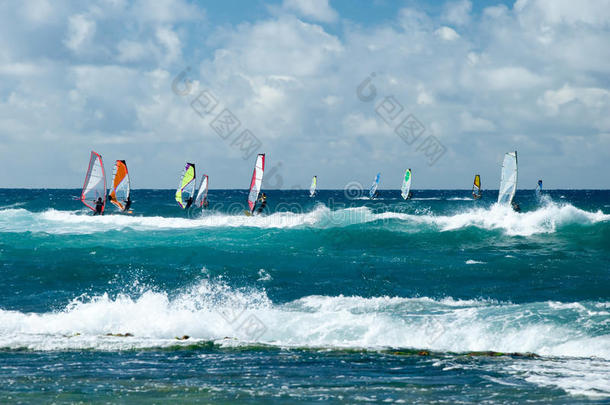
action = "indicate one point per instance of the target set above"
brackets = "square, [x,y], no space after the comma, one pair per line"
[189,202]
[263,201]
[99,206]
[127,203]
[516,206]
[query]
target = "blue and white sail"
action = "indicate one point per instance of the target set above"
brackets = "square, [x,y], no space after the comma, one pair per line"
[373,189]
[508,184]
[539,189]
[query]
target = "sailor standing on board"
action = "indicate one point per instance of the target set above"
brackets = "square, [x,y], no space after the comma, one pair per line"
[263,201]
[127,203]
[99,205]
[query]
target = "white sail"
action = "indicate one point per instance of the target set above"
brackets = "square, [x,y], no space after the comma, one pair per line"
[314,184]
[406,184]
[95,183]
[374,186]
[257,180]
[508,185]
[203,191]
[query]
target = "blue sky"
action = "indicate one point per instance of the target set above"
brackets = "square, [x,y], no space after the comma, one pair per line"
[456,85]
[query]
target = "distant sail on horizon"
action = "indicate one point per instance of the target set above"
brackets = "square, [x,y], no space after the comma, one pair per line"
[539,188]
[186,188]
[405,189]
[203,191]
[257,180]
[95,182]
[121,187]
[476,187]
[508,184]
[374,186]
[314,184]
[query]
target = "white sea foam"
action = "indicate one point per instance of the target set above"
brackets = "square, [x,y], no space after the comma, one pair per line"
[213,311]
[545,219]
[470,261]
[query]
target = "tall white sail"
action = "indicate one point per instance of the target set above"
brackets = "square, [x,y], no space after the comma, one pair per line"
[95,183]
[406,184]
[257,180]
[203,191]
[508,185]
[314,184]
[374,186]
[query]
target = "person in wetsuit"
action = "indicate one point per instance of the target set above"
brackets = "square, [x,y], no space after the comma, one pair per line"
[99,206]
[263,201]
[516,207]
[189,202]
[127,204]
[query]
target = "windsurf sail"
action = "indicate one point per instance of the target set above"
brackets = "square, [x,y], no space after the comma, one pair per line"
[373,189]
[203,191]
[120,185]
[508,185]
[406,184]
[95,183]
[476,187]
[314,184]
[539,188]
[186,189]
[257,180]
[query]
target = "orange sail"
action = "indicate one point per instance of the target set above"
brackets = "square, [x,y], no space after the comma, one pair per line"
[120,185]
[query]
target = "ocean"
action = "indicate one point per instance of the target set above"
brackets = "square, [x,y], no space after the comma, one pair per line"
[331,299]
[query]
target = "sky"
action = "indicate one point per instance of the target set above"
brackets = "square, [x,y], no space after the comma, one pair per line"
[335,88]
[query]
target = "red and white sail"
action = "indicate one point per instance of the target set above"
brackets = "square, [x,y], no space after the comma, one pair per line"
[257,180]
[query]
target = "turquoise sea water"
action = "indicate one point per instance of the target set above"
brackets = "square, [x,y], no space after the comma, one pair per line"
[334,299]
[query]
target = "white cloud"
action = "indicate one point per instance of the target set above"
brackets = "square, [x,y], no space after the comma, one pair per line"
[318,10]
[293,83]
[457,12]
[469,123]
[447,33]
[590,97]
[80,31]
